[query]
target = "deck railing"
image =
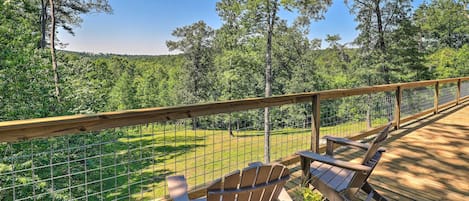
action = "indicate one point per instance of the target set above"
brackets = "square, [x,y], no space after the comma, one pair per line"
[128,154]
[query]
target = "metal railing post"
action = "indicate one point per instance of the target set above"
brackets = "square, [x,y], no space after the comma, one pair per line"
[315,122]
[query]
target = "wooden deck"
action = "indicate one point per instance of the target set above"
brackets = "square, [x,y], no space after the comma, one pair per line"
[425,160]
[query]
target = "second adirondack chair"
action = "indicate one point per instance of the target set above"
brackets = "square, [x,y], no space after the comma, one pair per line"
[256,182]
[339,180]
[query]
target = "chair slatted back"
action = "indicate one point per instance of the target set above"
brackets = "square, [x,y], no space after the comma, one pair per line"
[371,158]
[254,183]
[376,144]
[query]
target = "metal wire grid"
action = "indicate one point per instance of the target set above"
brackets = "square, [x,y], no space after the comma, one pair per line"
[224,143]
[351,115]
[131,163]
[464,89]
[108,165]
[290,130]
[447,93]
[416,100]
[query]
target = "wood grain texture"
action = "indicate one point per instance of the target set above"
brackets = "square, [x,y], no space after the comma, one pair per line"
[397,110]
[436,97]
[315,122]
[458,91]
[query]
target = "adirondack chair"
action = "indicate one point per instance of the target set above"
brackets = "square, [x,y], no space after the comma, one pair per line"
[341,180]
[256,182]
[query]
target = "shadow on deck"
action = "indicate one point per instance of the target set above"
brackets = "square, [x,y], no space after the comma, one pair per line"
[425,160]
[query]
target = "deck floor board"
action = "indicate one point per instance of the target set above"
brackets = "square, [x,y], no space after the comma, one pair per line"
[425,160]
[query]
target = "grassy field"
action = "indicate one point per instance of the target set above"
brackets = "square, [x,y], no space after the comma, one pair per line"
[204,155]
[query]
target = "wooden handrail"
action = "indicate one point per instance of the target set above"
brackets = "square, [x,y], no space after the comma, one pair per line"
[55,126]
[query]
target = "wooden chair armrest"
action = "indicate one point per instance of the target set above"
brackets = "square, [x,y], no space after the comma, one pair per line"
[177,187]
[332,161]
[345,141]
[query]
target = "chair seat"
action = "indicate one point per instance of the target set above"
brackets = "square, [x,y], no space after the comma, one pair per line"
[342,180]
[334,177]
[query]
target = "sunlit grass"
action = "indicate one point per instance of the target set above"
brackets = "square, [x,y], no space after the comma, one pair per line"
[204,155]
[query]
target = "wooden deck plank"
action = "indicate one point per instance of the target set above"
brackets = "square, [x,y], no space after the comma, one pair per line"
[425,160]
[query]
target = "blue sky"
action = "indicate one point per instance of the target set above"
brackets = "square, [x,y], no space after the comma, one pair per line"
[143,26]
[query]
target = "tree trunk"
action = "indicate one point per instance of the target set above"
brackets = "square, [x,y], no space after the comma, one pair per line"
[268,77]
[52,50]
[43,19]
[379,20]
[381,42]
[195,123]
[230,130]
[382,48]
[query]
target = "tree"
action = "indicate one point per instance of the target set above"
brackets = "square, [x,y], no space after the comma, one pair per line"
[443,23]
[260,18]
[334,44]
[122,94]
[386,35]
[52,50]
[196,44]
[87,83]
[372,17]
[24,92]
[448,62]
[151,86]
[65,13]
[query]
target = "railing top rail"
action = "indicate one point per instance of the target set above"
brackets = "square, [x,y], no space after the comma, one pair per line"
[54,126]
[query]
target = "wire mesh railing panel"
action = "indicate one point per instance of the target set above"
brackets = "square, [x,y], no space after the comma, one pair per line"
[231,142]
[290,130]
[131,163]
[351,115]
[416,100]
[464,89]
[447,93]
[105,165]
[219,144]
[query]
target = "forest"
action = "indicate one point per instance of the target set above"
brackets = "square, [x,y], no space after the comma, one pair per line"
[431,41]
[255,53]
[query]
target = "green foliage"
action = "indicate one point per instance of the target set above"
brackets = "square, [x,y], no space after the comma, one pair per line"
[310,195]
[388,46]
[443,23]
[449,62]
[24,83]
[196,44]
[122,94]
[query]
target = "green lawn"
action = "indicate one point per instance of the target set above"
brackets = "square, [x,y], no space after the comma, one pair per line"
[204,155]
